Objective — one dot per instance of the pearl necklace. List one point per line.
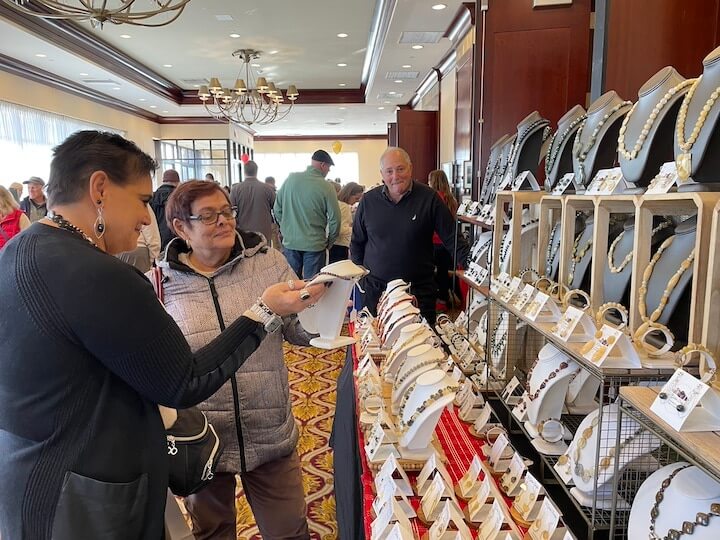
(632, 154)
(551, 156)
(577, 257)
(671, 284)
(611, 252)
(581, 152)
(550, 253)
(406, 375)
(63, 223)
(684, 160)
(432, 398)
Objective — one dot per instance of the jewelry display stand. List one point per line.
(688, 493)
(580, 398)
(647, 133)
(532, 132)
(580, 256)
(419, 359)
(408, 314)
(493, 164)
(697, 155)
(412, 335)
(595, 145)
(558, 159)
(326, 317)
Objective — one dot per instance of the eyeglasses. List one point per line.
(211, 218)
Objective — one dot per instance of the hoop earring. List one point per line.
(99, 225)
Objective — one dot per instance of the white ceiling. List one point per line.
(304, 34)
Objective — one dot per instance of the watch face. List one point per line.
(273, 324)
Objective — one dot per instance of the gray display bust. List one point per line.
(558, 160)
(607, 111)
(528, 142)
(658, 145)
(493, 164)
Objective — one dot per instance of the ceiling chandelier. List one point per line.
(253, 100)
(101, 11)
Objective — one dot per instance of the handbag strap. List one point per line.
(157, 282)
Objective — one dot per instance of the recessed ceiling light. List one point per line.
(417, 47)
(391, 92)
(167, 65)
(153, 106)
(342, 64)
(273, 52)
(342, 35)
(165, 112)
(196, 85)
(407, 66)
(387, 103)
(234, 36)
(125, 36)
(83, 74)
(142, 99)
(41, 55)
(342, 84)
(381, 108)
(398, 81)
(438, 7)
(342, 108)
(255, 65)
(116, 88)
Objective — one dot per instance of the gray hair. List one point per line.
(390, 150)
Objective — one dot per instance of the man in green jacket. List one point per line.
(307, 210)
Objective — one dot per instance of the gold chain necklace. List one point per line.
(671, 284)
(611, 252)
(684, 160)
(632, 154)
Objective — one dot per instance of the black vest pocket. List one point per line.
(89, 508)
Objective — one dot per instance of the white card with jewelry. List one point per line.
(492, 525)
(665, 179)
(507, 294)
(524, 297)
(574, 326)
(685, 403)
(607, 182)
(542, 308)
(530, 491)
(546, 522)
(611, 348)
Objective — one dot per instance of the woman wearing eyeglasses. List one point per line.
(212, 273)
(87, 353)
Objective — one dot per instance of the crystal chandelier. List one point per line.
(252, 100)
(101, 11)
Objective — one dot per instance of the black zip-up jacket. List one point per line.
(157, 203)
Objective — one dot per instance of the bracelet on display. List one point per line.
(556, 435)
(708, 365)
(648, 328)
(575, 293)
(612, 306)
(532, 272)
(544, 284)
(558, 291)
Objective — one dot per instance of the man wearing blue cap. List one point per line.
(307, 210)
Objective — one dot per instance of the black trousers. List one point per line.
(424, 290)
(443, 264)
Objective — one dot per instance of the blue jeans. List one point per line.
(305, 264)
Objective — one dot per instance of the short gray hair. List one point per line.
(390, 150)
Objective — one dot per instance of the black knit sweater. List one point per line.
(86, 353)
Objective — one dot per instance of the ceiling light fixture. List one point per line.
(407, 66)
(398, 81)
(381, 108)
(342, 84)
(98, 12)
(417, 47)
(342, 64)
(142, 99)
(84, 75)
(234, 36)
(153, 106)
(167, 65)
(438, 7)
(41, 55)
(342, 35)
(273, 52)
(125, 36)
(253, 100)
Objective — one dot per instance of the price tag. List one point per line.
(564, 183)
(525, 502)
(491, 526)
(665, 180)
(547, 521)
(441, 524)
(482, 420)
(677, 400)
(524, 297)
(496, 452)
(469, 482)
(507, 295)
(510, 388)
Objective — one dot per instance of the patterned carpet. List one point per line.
(313, 376)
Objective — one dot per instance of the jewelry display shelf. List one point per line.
(699, 448)
(676, 204)
(482, 289)
(515, 202)
(475, 221)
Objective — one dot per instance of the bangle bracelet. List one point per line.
(531, 271)
(708, 366)
(608, 306)
(646, 329)
(553, 437)
(557, 291)
(544, 284)
(574, 294)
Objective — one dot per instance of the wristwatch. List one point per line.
(267, 317)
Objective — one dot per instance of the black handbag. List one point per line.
(194, 447)
(194, 450)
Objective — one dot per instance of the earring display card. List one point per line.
(507, 294)
(389, 469)
(448, 515)
(611, 348)
(398, 532)
(525, 502)
(665, 180)
(494, 522)
(565, 183)
(390, 514)
(509, 389)
(574, 326)
(525, 181)
(476, 509)
(482, 420)
(524, 297)
(476, 273)
(511, 479)
(685, 403)
(388, 490)
(547, 521)
(497, 450)
(542, 308)
(607, 182)
(432, 465)
(469, 484)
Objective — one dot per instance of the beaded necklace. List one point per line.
(688, 527)
(551, 155)
(632, 154)
(432, 398)
(63, 223)
(684, 160)
(671, 284)
(581, 152)
(552, 250)
(521, 137)
(604, 462)
(611, 252)
(576, 256)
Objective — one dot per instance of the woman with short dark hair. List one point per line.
(88, 353)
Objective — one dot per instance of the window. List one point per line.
(280, 165)
(27, 137)
(193, 159)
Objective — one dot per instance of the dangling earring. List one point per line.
(99, 225)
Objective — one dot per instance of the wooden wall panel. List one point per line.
(535, 59)
(463, 108)
(644, 37)
(417, 133)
